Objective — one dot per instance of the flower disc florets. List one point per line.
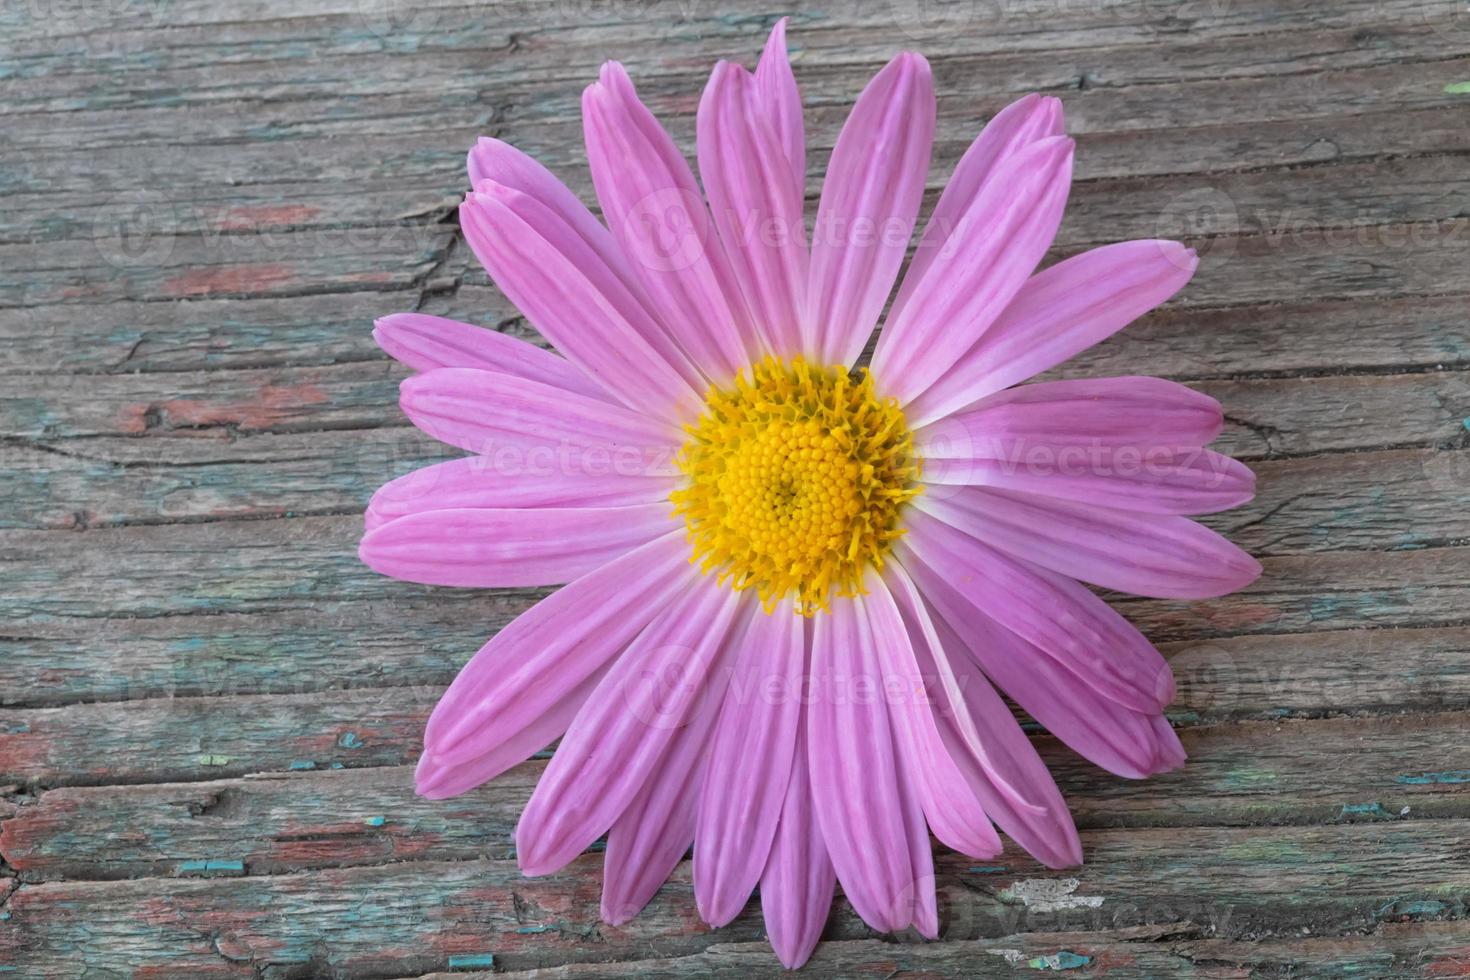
(796, 477)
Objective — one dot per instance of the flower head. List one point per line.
(793, 584)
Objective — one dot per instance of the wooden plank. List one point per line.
(418, 173)
(1392, 952)
(211, 411)
(409, 918)
(336, 93)
(190, 738)
(280, 443)
(277, 264)
(275, 566)
(1238, 775)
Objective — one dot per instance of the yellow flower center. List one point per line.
(796, 477)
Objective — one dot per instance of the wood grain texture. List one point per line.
(209, 709)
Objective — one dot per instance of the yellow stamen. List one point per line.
(796, 477)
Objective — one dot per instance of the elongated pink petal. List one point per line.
(1063, 618)
(855, 779)
(1135, 414)
(506, 745)
(1060, 312)
(493, 161)
(1163, 556)
(577, 301)
(617, 738)
(487, 549)
(757, 208)
(653, 834)
(750, 765)
(488, 483)
(993, 755)
(992, 251)
(870, 202)
(551, 649)
(654, 207)
(779, 101)
(1195, 481)
(949, 804)
(1128, 743)
(1015, 127)
(523, 425)
(426, 342)
(798, 882)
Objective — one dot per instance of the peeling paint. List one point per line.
(472, 961)
(211, 867)
(1049, 895)
(1063, 960)
(1424, 779)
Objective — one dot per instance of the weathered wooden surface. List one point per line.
(209, 709)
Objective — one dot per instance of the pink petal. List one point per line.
(797, 884)
(577, 301)
(1058, 313)
(1194, 481)
(477, 482)
(859, 801)
(870, 202)
(988, 257)
(1074, 627)
(426, 342)
(1015, 127)
(1163, 556)
(1128, 743)
(487, 549)
(993, 754)
(949, 804)
(492, 161)
(552, 648)
(618, 737)
(750, 765)
(506, 745)
(654, 207)
(524, 425)
(653, 834)
(757, 208)
(1137, 414)
(779, 101)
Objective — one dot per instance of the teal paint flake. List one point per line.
(349, 740)
(532, 930)
(1374, 809)
(1065, 960)
(302, 764)
(212, 867)
(1450, 777)
(1411, 909)
(988, 869)
(472, 961)
(375, 821)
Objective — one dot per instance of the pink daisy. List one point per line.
(793, 586)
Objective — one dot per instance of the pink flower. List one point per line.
(793, 588)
